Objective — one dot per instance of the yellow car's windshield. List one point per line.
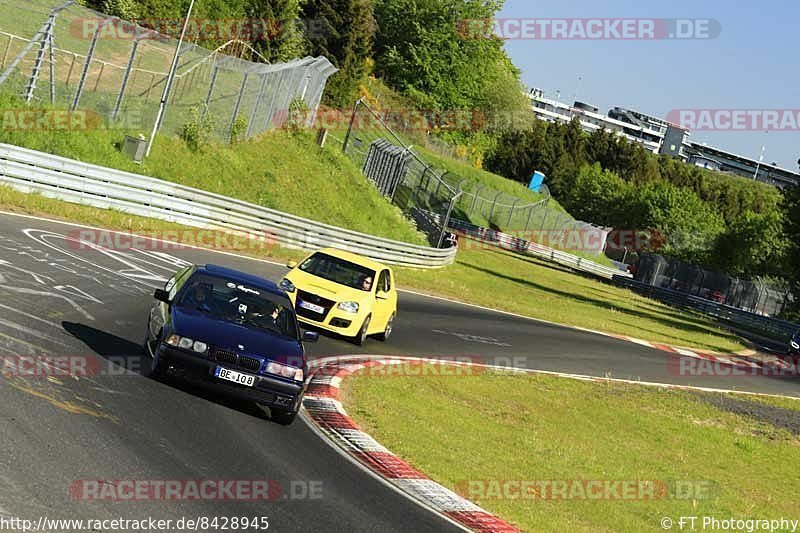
(339, 271)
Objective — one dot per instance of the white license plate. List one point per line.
(237, 377)
(313, 307)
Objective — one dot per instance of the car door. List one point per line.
(385, 300)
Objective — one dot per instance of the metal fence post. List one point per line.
(210, 88)
(238, 103)
(511, 212)
(37, 63)
(52, 64)
(528, 221)
(475, 198)
(126, 76)
(350, 126)
(6, 73)
(446, 220)
(87, 64)
(494, 203)
(257, 105)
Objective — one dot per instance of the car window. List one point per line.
(175, 283)
(231, 301)
(385, 281)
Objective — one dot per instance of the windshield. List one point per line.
(232, 301)
(339, 271)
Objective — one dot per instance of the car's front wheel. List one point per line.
(361, 338)
(387, 331)
(151, 367)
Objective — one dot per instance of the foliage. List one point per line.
(239, 129)
(197, 131)
(343, 32)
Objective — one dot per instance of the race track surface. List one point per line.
(59, 298)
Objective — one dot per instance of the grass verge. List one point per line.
(530, 287)
(535, 428)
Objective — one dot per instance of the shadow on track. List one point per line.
(122, 352)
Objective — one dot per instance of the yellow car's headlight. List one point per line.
(349, 307)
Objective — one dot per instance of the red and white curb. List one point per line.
(323, 407)
(735, 360)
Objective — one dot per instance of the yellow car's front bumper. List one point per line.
(336, 320)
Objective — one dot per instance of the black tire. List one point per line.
(151, 367)
(387, 331)
(361, 337)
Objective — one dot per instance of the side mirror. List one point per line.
(162, 296)
(291, 264)
(310, 336)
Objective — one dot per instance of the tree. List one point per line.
(279, 35)
(421, 50)
(753, 244)
(790, 207)
(343, 31)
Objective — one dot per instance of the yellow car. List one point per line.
(343, 292)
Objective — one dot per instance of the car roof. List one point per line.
(355, 258)
(243, 277)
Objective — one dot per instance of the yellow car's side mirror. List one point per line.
(291, 264)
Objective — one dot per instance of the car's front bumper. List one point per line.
(266, 390)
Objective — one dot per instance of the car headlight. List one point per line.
(187, 344)
(350, 307)
(285, 370)
(795, 345)
(287, 285)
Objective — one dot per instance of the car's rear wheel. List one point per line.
(361, 338)
(387, 331)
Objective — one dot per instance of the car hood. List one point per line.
(325, 288)
(229, 336)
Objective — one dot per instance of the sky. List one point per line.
(752, 64)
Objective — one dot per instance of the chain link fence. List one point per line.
(756, 296)
(446, 194)
(69, 56)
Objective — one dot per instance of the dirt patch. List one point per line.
(778, 417)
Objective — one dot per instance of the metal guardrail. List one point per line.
(509, 242)
(780, 328)
(74, 181)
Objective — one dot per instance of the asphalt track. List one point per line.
(56, 298)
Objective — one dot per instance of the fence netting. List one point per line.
(69, 56)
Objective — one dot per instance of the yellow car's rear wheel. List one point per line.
(387, 331)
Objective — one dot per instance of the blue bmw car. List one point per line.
(233, 331)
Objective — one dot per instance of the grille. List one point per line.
(224, 356)
(314, 299)
(248, 363)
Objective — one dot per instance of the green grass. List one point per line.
(280, 170)
(550, 428)
(531, 287)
